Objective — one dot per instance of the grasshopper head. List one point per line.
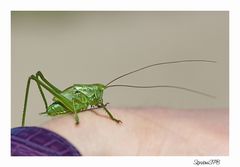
(100, 87)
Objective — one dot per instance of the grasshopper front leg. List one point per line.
(109, 114)
(89, 109)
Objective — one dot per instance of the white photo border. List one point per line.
(112, 5)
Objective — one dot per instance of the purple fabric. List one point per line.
(35, 141)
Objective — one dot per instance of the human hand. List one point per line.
(150, 131)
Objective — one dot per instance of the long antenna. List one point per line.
(164, 86)
(152, 65)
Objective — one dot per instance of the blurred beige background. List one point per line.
(95, 47)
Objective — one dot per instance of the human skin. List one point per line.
(146, 131)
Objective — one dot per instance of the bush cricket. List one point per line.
(82, 97)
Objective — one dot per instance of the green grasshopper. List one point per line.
(83, 97)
